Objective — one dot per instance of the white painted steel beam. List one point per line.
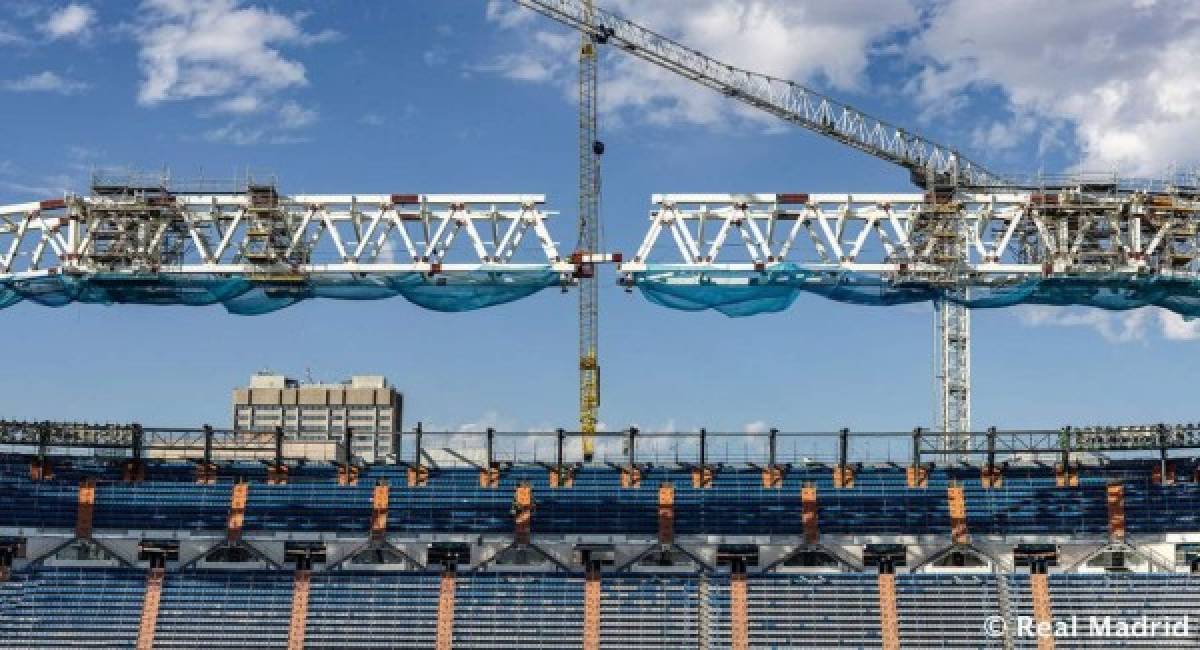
(967, 239)
(308, 234)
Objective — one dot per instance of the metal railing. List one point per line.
(624, 447)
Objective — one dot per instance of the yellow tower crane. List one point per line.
(590, 149)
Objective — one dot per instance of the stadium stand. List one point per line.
(232, 581)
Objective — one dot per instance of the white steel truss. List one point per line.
(953, 242)
(959, 240)
(257, 231)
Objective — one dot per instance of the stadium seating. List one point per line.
(44, 605)
(72, 608)
(654, 612)
(224, 609)
(372, 610)
(814, 611)
(1029, 503)
(946, 611)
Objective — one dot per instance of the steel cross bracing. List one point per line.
(953, 372)
(308, 235)
(999, 238)
(785, 99)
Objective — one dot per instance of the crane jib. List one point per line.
(930, 163)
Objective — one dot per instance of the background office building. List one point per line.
(366, 405)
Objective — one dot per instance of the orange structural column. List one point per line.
(917, 475)
(1116, 511)
(1066, 476)
(418, 476)
(808, 513)
(843, 476)
(87, 503)
(739, 629)
(1157, 477)
(889, 618)
(1043, 614)
(523, 512)
(562, 476)
(149, 621)
(591, 610)
(300, 589)
(958, 514)
(445, 615)
(237, 510)
(666, 513)
(379, 512)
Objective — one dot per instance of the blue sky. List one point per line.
(468, 96)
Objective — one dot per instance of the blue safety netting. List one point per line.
(738, 294)
(248, 295)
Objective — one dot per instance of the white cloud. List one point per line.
(240, 104)
(295, 116)
(1115, 79)
(1123, 77)
(1114, 326)
(72, 20)
(507, 14)
(46, 82)
(371, 119)
(216, 49)
(236, 134)
(829, 43)
(1174, 327)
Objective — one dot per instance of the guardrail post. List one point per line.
(277, 472)
(489, 476)
(702, 476)
(418, 474)
(843, 474)
(134, 469)
(631, 476)
(773, 474)
(918, 476)
(560, 476)
(1065, 475)
(206, 471)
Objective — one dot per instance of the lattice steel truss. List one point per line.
(995, 238)
(255, 232)
(785, 99)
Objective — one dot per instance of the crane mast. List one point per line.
(933, 166)
(590, 149)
